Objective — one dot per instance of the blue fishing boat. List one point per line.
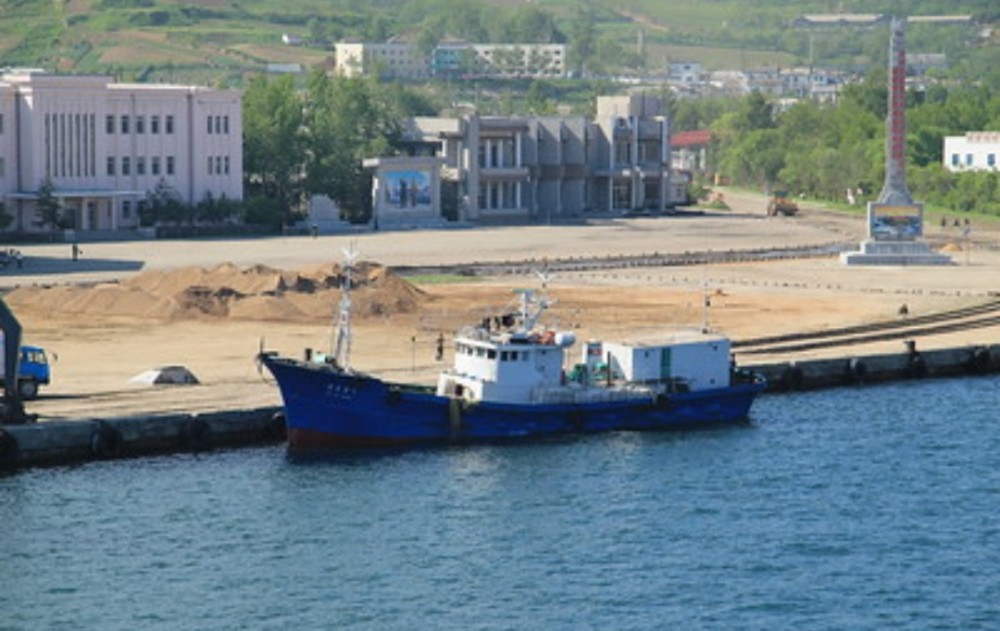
(509, 380)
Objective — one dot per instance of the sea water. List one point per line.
(868, 508)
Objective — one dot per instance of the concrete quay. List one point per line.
(56, 443)
(859, 370)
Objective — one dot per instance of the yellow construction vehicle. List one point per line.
(781, 204)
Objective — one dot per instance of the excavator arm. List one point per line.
(13, 407)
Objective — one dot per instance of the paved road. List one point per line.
(735, 230)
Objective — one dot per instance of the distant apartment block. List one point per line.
(537, 61)
(395, 59)
(104, 146)
(403, 60)
(975, 151)
(498, 169)
(685, 72)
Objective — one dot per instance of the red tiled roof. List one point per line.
(695, 138)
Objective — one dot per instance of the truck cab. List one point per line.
(33, 371)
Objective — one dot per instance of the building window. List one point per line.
(170, 165)
(954, 159)
(169, 124)
(621, 194)
(140, 165)
(508, 151)
(3, 168)
(125, 124)
(126, 166)
(109, 124)
(968, 159)
(218, 124)
(1, 123)
(623, 153)
(225, 125)
(225, 165)
(210, 165)
(218, 165)
(154, 124)
(208, 125)
(126, 209)
(154, 165)
(991, 160)
(111, 165)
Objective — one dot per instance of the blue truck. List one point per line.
(33, 371)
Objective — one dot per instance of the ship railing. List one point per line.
(569, 395)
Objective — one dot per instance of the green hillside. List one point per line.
(221, 41)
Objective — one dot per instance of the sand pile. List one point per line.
(226, 291)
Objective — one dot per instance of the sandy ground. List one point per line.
(97, 355)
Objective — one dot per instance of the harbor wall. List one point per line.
(872, 369)
(57, 443)
(68, 442)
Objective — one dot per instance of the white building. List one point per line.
(396, 59)
(104, 146)
(685, 72)
(403, 60)
(521, 60)
(975, 151)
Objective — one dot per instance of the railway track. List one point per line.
(975, 317)
(654, 259)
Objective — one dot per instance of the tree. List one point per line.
(582, 40)
(50, 212)
(757, 157)
(274, 141)
(536, 100)
(349, 119)
(163, 203)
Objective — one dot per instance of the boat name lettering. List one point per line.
(340, 391)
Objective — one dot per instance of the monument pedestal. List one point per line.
(894, 253)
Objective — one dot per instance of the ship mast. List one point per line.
(341, 345)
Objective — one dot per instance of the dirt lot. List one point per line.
(110, 331)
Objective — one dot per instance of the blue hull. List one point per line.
(327, 408)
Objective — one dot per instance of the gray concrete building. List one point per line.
(500, 169)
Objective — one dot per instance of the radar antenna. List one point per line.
(341, 346)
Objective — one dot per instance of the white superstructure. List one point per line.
(509, 359)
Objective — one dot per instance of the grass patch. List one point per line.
(439, 279)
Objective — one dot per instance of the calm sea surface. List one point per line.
(873, 508)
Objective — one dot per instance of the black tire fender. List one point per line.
(857, 369)
(105, 441)
(8, 449)
(276, 428)
(197, 434)
(792, 377)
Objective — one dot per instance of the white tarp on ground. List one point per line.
(169, 375)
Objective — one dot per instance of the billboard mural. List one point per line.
(407, 189)
(895, 222)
